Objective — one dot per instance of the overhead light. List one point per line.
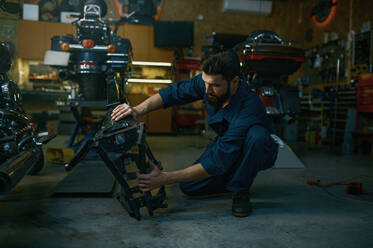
(151, 63)
(149, 81)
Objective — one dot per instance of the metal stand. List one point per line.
(123, 139)
(76, 108)
(334, 146)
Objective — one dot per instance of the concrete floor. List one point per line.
(287, 212)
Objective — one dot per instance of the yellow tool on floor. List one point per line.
(59, 155)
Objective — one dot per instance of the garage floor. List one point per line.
(287, 212)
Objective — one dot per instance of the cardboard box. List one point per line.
(52, 127)
(69, 17)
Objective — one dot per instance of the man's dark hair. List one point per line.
(225, 63)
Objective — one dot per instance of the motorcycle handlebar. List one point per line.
(122, 20)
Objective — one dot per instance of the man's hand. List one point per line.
(121, 111)
(153, 180)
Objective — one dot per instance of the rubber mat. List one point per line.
(87, 179)
(287, 159)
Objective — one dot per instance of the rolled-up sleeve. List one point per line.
(183, 92)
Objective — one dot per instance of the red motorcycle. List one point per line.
(267, 61)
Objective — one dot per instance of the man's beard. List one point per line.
(218, 101)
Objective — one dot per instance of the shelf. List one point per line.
(348, 97)
(339, 130)
(310, 118)
(349, 102)
(312, 110)
(322, 86)
(42, 95)
(345, 108)
(149, 63)
(42, 78)
(338, 120)
(341, 92)
(149, 81)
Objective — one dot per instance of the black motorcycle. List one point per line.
(20, 145)
(100, 62)
(95, 53)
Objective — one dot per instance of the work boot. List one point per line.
(241, 206)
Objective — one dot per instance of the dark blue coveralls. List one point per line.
(243, 145)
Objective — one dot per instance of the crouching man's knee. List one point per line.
(262, 146)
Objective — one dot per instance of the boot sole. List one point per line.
(241, 214)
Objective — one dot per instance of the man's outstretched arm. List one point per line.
(152, 103)
(157, 178)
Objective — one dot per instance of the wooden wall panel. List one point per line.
(34, 38)
(139, 36)
(160, 121)
(56, 29)
(31, 43)
(142, 40)
(339, 24)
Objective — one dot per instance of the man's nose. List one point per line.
(208, 89)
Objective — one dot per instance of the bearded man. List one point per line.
(243, 145)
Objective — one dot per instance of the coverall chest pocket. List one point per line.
(220, 127)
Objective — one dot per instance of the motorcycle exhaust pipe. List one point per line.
(14, 169)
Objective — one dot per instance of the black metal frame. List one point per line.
(117, 167)
(77, 109)
(113, 136)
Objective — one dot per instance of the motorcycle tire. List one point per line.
(93, 87)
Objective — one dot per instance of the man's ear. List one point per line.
(237, 78)
(235, 81)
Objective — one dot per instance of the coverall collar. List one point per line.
(228, 110)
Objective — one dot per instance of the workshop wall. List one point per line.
(214, 20)
(350, 14)
(290, 18)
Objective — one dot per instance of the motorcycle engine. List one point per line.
(14, 124)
